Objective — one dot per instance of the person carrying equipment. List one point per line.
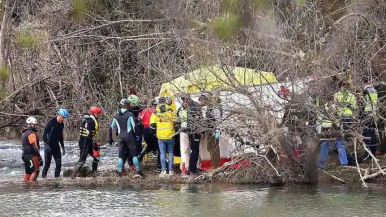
(89, 129)
(124, 122)
(53, 136)
(31, 150)
(150, 138)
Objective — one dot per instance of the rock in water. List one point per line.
(84, 172)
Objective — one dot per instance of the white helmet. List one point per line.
(31, 120)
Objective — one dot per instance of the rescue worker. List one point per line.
(31, 150)
(88, 145)
(212, 133)
(135, 109)
(326, 120)
(370, 98)
(163, 122)
(150, 138)
(124, 122)
(53, 136)
(193, 129)
(346, 104)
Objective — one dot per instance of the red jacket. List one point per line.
(145, 116)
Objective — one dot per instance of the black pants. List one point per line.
(152, 143)
(369, 131)
(48, 154)
(194, 140)
(127, 149)
(86, 148)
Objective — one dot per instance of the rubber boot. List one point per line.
(120, 166)
(140, 156)
(137, 164)
(76, 171)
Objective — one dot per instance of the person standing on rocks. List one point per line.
(135, 109)
(162, 120)
(124, 122)
(53, 142)
(88, 145)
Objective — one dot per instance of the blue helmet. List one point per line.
(64, 113)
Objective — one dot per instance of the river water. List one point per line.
(21, 199)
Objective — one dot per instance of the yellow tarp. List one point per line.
(215, 77)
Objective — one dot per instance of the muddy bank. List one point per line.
(371, 174)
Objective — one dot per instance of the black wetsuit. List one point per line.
(124, 121)
(138, 128)
(53, 139)
(88, 132)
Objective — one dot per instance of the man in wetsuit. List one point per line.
(53, 136)
(30, 150)
(124, 122)
(87, 142)
(135, 109)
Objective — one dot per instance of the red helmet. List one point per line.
(95, 110)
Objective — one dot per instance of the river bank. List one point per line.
(12, 170)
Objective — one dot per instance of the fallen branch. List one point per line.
(332, 176)
(374, 175)
(356, 161)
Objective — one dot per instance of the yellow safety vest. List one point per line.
(183, 115)
(326, 122)
(346, 103)
(371, 100)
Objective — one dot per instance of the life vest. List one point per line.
(84, 132)
(29, 139)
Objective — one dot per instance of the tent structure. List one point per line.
(215, 77)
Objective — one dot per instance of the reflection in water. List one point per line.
(189, 200)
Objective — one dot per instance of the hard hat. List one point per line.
(31, 120)
(63, 112)
(95, 110)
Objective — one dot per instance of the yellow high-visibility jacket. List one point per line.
(164, 123)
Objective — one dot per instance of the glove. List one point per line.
(138, 138)
(96, 146)
(63, 151)
(162, 108)
(40, 162)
